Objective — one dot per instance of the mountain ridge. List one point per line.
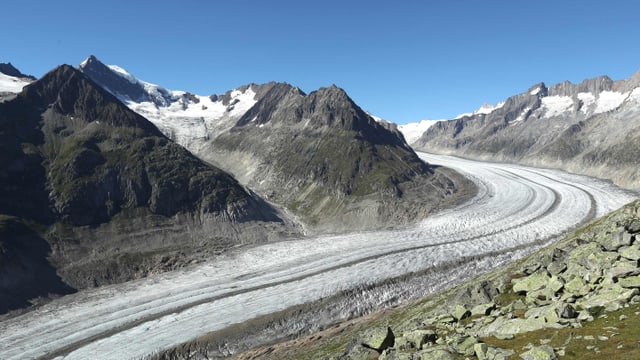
(282, 143)
(587, 128)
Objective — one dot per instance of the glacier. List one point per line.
(515, 207)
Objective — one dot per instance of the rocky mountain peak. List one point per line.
(112, 81)
(9, 69)
(539, 89)
(594, 85)
(70, 92)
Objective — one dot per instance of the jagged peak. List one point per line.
(10, 70)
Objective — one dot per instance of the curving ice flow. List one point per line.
(515, 206)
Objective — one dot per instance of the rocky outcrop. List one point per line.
(102, 196)
(589, 128)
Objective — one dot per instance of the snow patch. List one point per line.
(522, 115)
(556, 105)
(485, 109)
(535, 91)
(12, 84)
(413, 131)
(609, 100)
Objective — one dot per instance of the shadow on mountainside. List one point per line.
(25, 272)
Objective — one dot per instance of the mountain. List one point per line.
(93, 193)
(12, 80)
(589, 128)
(319, 154)
(413, 131)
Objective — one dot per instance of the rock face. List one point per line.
(319, 155)
(9, 69)
(588, 128)
(96, 193)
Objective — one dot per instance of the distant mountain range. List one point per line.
(589, 128)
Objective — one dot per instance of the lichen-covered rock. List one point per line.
(462, 344)
(378, 338)
(418, 338)
(623, 268)
(630, 252)
(576, 287)
(483, 309)
(547, 313)
(533, 282)
(391, 354)
(544, 352)
(615, 240)
(610, 298)
(436, 353)
(460, 312)
(630, 282)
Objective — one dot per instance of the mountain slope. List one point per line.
(104, 195)
(319, 155)
(588, 128)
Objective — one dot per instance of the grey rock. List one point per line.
(630, 252)
(567, 311)
(379, 339)
(436, 353)
(483, 309)
(536, 281)
(633, 227)
(420, 338)
(630, 282)
(543, 352)
(462, 344)
(391, 354)
(460, 312)
(615, 241)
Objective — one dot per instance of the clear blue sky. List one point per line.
(401, 60)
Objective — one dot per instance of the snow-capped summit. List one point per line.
(12, 80)
(182, 116)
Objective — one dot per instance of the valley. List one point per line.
(515, 210)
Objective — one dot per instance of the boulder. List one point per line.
(543, 352)
(615, 240)
(633, 227)
(630, 252)
(496, 353)
(623, 268)
(391, 354)
(630, 282)
(418, 338)
(481, 350)
(611, 298)
(556, 267)
(600, 260)
(435, 353)
(378, 339)
(533, 282)
(460, 312)
(547, 313)
(462, 344)
(483, 309)
(576, 287)
(566, 311)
